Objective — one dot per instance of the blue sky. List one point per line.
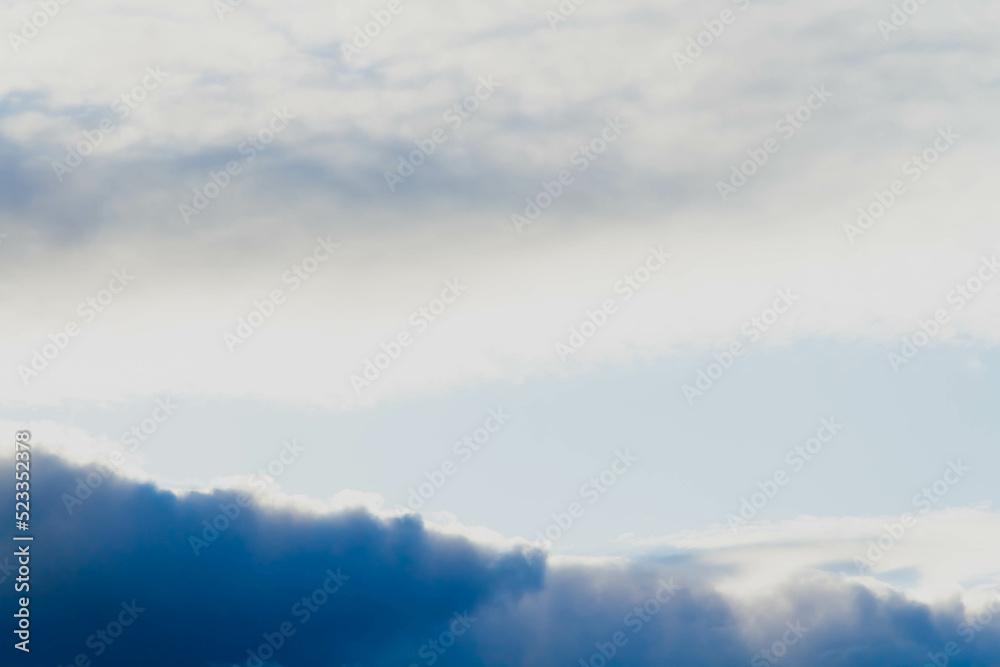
(696, 462)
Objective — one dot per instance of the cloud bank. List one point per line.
(144, 568)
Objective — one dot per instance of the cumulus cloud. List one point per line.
(387, 591)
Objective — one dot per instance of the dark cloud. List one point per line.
(342, 177)
(394, 592)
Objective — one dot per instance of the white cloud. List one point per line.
(165, 332)
(946, 554)
(324, 175)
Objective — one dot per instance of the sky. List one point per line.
(516, 309)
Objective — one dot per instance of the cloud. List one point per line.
(325, 175)
(355, 118)
(920, 557)
(394, 590)
(166, 333)
(134, 542)
(209, 576)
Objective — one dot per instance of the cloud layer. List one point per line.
(351, 588)
(198, 94)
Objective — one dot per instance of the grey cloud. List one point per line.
(396, 587)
